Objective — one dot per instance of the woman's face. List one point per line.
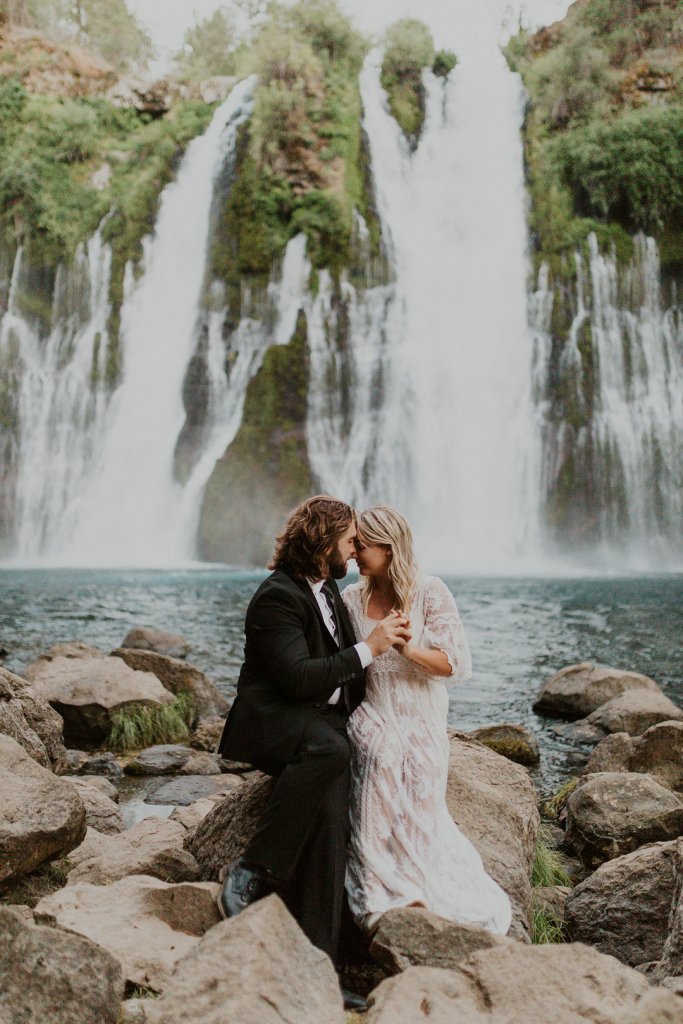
(372, 559)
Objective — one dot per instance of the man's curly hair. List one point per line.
(311, 532)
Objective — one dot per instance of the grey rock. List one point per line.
(48, 976)
(225, 832)
(513, 984)
(191, 815)
(258, 968)
(208, 733)
(41, 814)
(86, 692)
(658, 751)
(144, 638)
(577, 690)
(202, 763)
(103, 784)
(133, 1011)
(144, 923)
(70, 649)
(159, 759)
(656, 1007)
(186, 789)
(178, 677)
(29, 720)
(625, 907)
(152, 847)
(513, 741)
(101, 813)
(633, 712)
(612, 813)
(493, 801)
(412, 936)
(103, 764)
(75, 759)
(550, 899)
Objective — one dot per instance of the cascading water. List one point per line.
(440, 409)
(61, 394)
(623, 460)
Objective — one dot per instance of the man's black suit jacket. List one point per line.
(292, 666)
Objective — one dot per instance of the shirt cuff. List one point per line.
(364, 653)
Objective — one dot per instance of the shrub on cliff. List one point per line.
(409, 48)
(629, 170)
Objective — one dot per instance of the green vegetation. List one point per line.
(300, 163)
(604, 146)
(52, 148)
(548, 867)
(208, 47)
(141, 725)
(444, 62)
(409, 48)
(546, 928)
(105, 27)
(553, 807)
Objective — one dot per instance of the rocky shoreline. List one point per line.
(109, 916)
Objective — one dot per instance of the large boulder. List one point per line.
(31, 722)
(577, 690)
(493, 801)
(87, 691)
(101, 812)
(152, 847)
(513, 984)
(208, 733)
(511, 740)
(178, 677)
(670, 967)
(625, 907)
(48, 976)
(225, 832)
(413, 936)
(144, 638)
(258, 968)
(656, 1007)
(658, 752)
(41, 814)
(612, 813)
(632, 712)
(144, 923)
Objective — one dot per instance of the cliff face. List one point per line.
(604, 158)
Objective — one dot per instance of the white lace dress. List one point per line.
(405, 847)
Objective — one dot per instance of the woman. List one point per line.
(405, 848)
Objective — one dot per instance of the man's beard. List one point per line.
(337, 567)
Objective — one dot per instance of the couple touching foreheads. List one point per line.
(342, 699)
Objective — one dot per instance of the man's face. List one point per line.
(345, 549)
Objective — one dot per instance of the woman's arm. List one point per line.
(435, 661)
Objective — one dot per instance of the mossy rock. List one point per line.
(510, 740)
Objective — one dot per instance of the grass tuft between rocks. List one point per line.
(552, 808)
(142, 725)
(546, 928)
(548, 868)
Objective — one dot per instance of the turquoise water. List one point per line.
(521, 631)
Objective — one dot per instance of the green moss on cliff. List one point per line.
(49, 199)
(265, 471)
(409, 49)
(299, 164)
(604, 128)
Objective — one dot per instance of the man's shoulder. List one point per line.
(279, 585)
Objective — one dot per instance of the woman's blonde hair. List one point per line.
(383, 525)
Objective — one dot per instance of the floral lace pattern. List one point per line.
(405, 848)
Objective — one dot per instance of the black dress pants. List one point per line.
(303, 832)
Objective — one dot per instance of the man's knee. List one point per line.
(329, 748)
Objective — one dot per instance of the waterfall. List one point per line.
(612, 451)
(60, 394)
(95, 481)
(440, 420)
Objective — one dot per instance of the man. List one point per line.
(303, 674)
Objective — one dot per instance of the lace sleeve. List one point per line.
(445, 631)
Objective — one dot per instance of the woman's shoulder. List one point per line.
(434, 588)
(351, 591)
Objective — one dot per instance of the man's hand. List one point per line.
(389, 632)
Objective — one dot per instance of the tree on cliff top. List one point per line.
(209, 47)
(109, 28)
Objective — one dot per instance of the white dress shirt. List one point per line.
(364, 652)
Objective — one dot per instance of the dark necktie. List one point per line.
(329, 599)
